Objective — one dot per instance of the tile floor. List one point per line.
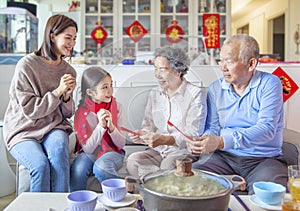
(5, 200)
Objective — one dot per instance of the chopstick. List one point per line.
(240, 201)
(129, 131)
(186, 136)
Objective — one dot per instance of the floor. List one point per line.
(5, 200)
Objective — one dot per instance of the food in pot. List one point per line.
(193, 186)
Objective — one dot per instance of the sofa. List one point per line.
(290, 148)
(133, 100)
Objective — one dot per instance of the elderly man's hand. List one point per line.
(206, 144)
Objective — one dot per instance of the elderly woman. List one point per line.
(175, 100)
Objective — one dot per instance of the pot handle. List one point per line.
(130, 183)
(238, 181)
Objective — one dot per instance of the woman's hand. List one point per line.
(66, 86)
(151, 139)
(137, 139)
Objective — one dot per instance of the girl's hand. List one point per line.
(105, 119)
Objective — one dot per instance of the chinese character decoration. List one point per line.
(136, 31)
(174, 33)
(99, 34)
(288, 85)
(211, 30)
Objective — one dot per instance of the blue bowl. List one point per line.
(269, 192)
(83, 200)
(114, 189)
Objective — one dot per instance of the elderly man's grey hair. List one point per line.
(177, 57)
(247, 46)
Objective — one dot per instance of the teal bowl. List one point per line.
(269, 192)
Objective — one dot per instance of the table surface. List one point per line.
(57, 202)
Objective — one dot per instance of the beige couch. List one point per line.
(133, 101)
(291, 151)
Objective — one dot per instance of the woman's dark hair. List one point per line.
(56, 24)
(91, 77)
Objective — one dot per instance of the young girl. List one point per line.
(95, 122)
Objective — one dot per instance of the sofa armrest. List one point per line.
(291, 146)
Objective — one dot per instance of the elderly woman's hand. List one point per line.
(137, 139)
(151, 139)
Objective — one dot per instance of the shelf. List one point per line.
(155, 16)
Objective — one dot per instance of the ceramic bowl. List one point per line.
(83, 200)
(269, 192)
(114, 189)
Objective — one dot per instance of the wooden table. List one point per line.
(57, 202)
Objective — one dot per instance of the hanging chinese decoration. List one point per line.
(174, 33)
(99, 34)
(211, 30)
(136, 31)
(288, 85)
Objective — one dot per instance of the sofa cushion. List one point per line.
(291, 146)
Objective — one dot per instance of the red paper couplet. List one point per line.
(211, 30)
(288, 85)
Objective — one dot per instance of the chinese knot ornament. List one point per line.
(99, 34)
(174, 33)
(136, 31)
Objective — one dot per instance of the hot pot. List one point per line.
(154, 200)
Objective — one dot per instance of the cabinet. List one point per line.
(18, 30)
(155, 16)
(96, 11)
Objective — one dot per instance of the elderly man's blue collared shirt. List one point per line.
(251, 124)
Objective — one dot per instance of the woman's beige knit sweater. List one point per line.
(34, 108)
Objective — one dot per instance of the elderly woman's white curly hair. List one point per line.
(177, 57)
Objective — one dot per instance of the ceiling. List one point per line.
(241, 7)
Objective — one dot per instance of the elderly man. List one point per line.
(245, 118)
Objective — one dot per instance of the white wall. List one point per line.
(259, 20)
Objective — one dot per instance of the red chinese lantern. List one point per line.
(174, 33)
